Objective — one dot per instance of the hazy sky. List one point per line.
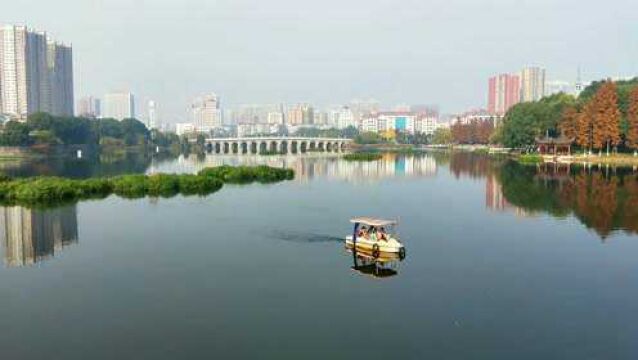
(330, 51)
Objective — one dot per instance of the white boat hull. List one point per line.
(391, 246)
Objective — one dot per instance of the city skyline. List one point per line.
(413, 55)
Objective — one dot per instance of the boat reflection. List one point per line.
(30, 236)
(384, 265)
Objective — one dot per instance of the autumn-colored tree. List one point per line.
(632, 120)
(584, 126)
(569, 122)
(606, 120)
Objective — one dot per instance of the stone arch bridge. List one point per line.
(275, 144)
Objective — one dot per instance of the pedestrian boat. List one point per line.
(375, 237)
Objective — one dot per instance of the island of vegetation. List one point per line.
(362, 156)
(55, 190)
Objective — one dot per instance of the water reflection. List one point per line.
(604, 199)
(309, 166)
(30, 236)
(383, 266)
(94, 165)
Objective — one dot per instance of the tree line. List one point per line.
(474, 132)
(46, 129)
(603, 117)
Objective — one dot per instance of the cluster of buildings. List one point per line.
(278, 119)
(118, 106)
(36, 74)
(508, 89)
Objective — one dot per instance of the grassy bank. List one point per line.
(54, 190)
(362, 156)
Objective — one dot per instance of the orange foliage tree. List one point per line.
(584, 126)
(569, 122)
(606, 119)
(632, 120)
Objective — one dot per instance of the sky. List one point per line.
(330, 51)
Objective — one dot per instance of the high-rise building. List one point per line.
(275, 118)
(308, 114)
(151, 115)
(60, 69)
(205, 112)
(532, 84)
(119, 106)
(346, 118)
(89, 106)
(504, 92)
(36, 73)
(294, 116)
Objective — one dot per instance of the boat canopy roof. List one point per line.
(372, 221)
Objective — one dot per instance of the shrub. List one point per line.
(130, 186)
(164, 185)
(54, 190)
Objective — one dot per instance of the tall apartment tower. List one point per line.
(532, 84)
(205, 112)
(119, 106)
(504, 92)
(60, 69)
(151, 113)
(36, 73)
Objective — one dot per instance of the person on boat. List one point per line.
(363, 232)
(382, 234)
(373, 233)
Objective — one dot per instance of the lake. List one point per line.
(503, 262)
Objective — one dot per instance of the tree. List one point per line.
(526, 121)
(606, 120)
(15, 133)
(584, 126)
(569, 122)
(632, 120)
(442, 136)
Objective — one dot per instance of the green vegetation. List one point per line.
(362, 156)
(530, 159)
(45, 129)
(247, 174)
(55, 190)
(442, 136)
(524, 122)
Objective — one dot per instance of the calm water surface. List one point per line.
(504, 262)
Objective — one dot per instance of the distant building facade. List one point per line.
(206, 113)
(89, 107)
(504, 91)
(151, 115)
(36, 74)
(119, 106)
(532, 84)
(399, 121)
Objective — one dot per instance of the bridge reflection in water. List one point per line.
(317, 165)
(30, 236)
